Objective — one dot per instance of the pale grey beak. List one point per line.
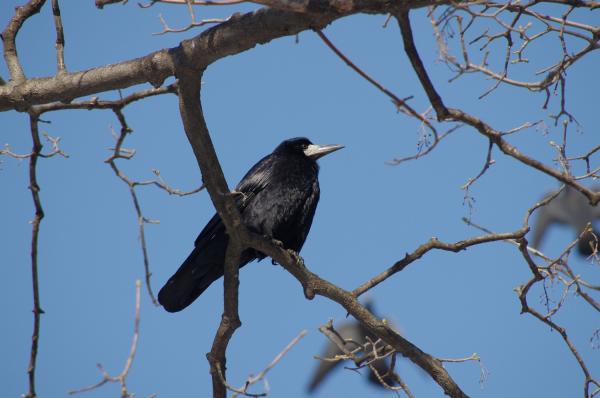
(318, 151)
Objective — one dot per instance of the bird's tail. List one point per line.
(191, 279)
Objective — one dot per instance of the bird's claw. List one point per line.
(297, 259)
(276, 242)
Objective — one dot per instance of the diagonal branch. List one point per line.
(239, 238)
(444, 113)
(314, 285)
(434, 243)
(398, 102)
(9, 38)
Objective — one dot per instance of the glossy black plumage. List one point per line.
(277, 198)
(571, 208)
(356, 332)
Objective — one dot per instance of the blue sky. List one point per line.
(369, 216)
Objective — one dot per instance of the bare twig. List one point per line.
(445, 113)
(96, 103)
(191, 25)
(121, 377)
(60, 37)
(365, 355)
(398, 102)
(431, 244)
(56, 150)
(243, 390)
(487, 164)
(35, 230)
(121, 153)
(101, 3)
(193, 2)
(586, 157)
(420, 152)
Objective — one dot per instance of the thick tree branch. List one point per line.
(314, 285)
(239, 237)
(238, 34)
(196, 130)
(230, 320)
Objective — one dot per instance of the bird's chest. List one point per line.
(285, 204)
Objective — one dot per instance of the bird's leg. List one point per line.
(297, 259)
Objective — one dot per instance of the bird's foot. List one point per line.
(276, 242)
(297, 259)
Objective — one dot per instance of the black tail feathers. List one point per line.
(191, 279)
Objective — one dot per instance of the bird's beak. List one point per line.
(318, 151)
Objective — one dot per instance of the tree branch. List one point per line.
(121, 377)
(196, 130)
(9, 38)
(434, 243)
(238, 34)
(35, 230)
(444, 113)
(60, 38)
(239, 237)
(314, 285)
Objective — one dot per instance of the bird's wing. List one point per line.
(213, 228)
(347, 331)
(255, 180)
(559, 210)
(544, 219)
(321, 372)
(596, 209)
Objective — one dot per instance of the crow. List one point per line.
(277, 198)
(570, 207)
(358, 334)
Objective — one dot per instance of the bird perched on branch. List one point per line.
(277, 198)
(357, 334)
(572, 208)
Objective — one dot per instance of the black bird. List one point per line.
(572, 208)
(356, 332)
(277, 198)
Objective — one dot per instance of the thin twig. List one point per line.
(121, 377)
(35, 230)
(243, 390)
(60, 38)
(398, 102)
(192, 2)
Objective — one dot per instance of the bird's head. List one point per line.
(305, 146)
(588, 243)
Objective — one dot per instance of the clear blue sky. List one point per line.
(369, 216)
